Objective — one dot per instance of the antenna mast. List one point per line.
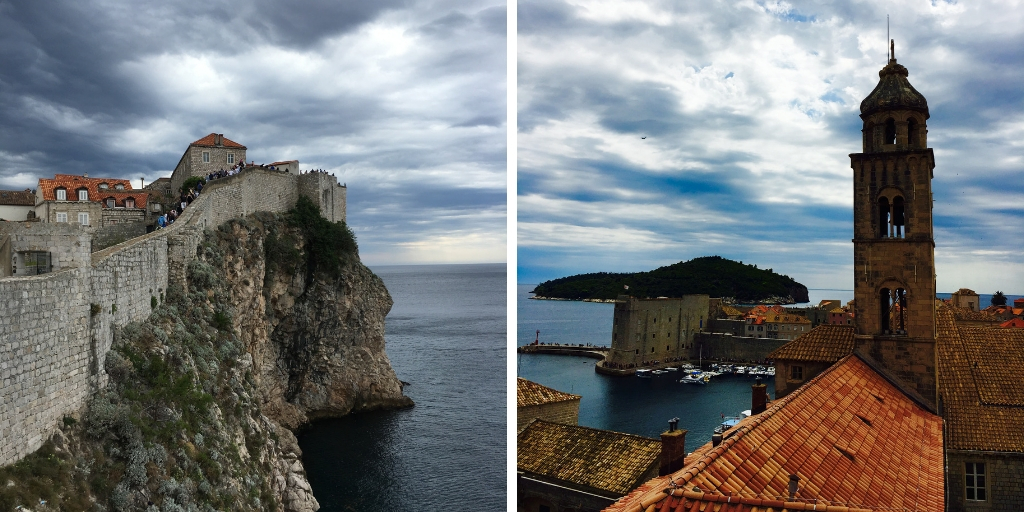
(891, 56)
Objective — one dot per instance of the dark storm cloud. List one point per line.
(749, 112)
(391, 96)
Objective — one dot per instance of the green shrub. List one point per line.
(327, 243)
(191, 183)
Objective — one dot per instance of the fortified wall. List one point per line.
(56, 328)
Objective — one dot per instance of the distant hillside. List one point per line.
(713, 275)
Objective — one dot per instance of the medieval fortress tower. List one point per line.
(57, 327)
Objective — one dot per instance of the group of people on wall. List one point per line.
(183, 201)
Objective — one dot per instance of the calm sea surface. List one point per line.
(629, 404)
(446, 337)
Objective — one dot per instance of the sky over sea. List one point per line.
(404, 101)
(659, 131)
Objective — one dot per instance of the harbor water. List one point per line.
(446, 337)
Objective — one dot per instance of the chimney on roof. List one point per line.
(716, 439)
(218, 139)
(673, 448)
(794, 486)
(85, 175)
(759, 398)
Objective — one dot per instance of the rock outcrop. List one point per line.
(280, 324)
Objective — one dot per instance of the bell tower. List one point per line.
(893, 245)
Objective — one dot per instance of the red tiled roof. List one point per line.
(17, 198)
(1014, 323)
(208, 141)
(600, 459)
(72, 183)
(854, 439)
(530, 393)
(826, 343)
(979, 382)
(967, 314)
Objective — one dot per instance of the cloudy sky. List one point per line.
(404, 100)
(750, 110)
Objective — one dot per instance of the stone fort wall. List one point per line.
(56, 329)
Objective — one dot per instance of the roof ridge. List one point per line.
(912, 394)
(584, 427)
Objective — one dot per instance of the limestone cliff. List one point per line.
(280, 323)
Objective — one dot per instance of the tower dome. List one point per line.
(893, 92)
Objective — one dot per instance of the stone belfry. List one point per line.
(893, 245)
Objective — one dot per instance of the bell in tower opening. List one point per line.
(894, 252)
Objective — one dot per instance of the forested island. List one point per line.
(712, 275)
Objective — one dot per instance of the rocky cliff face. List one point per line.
(279, 326)
(317, 341)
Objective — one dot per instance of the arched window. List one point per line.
(890, 131)
(913, 134)
(893, 311)
(103, 186)
(119, 186)
(898, 217)
(883, 217)
(62, 194)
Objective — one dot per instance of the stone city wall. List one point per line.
(56, 329)
(114, 234)
(726, 347)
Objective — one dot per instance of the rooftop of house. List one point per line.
(1016, 323)
(851, 436)
(530, 393)
(99, 189)
(965, 291)
(17, 198)
(979, 372)
(211, 140)
(967, 314)
(731, 311)
(600, 459)
(826, 343)
(790, 318)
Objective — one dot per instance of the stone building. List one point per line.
(33, 248)
(801, 361)
(966, 298)
(96, 202)
(211, 153)
(660, 329)
(534, 401)
(16, 205)
(555, 473)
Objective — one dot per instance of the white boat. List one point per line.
(695, 378)
(659, 372)
(741, 370)
(643, 373)
(672, 369)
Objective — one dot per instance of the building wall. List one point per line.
(325, 191)
(68, 244)
(533, 493)
(47, 211)
(1004, 478)
(566, 412)
(784, 381)
(191, 164)
(114, 234)
(14, 213)
(726, 347)
(656, 329)
(116, 216)
(57, 328)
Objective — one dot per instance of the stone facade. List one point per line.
(726, 347)
(209, 154)
(57, 328)
(1004, 481)
(326, 192)
(894, 261)
(67, 246)
(47, 211)
(655, 329)
(566, 412)
(790, 375)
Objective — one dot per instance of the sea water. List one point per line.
(446, 337)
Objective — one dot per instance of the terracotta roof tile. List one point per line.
(17, 198)
(72, 183)
(208, 141)
(601, 459)
(979, 381)
(826, 343)
(853, 438)
(968, 314)
(1016, 323)
(530, 393)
